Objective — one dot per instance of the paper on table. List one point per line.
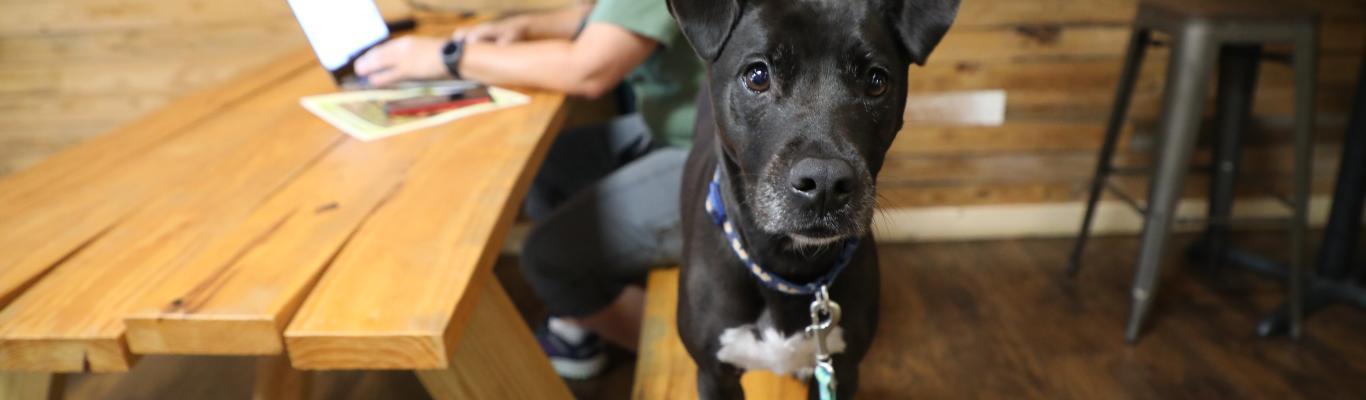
(361, 113)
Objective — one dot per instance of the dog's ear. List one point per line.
(706, 23)
(920, 24)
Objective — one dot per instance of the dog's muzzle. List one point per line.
(815, 202)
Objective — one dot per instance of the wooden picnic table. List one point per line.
(234, 222)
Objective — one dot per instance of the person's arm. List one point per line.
(589, 66)
(592, 64)
(562, 23)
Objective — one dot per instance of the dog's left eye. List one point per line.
(877, 82)
(756, 77)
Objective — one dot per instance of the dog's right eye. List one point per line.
(877, 83)
(756, 77)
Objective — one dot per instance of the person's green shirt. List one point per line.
(666, 83)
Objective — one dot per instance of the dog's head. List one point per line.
(807, 97)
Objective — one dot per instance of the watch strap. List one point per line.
(451, 55)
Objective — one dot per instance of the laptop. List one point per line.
(341, 31)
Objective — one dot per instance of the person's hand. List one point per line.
(498, 32)
(405, 58)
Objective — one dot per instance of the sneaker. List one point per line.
(580, 359)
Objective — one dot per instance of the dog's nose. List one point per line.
(825, 182)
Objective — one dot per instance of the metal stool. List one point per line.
(1200, 29)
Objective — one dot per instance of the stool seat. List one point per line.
(1268, 10)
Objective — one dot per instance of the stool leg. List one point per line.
(1188, 73)
(1237, 87)
(1306, 80)
(1337, 257)
(1133, 61)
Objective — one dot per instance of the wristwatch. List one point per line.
(451, 54)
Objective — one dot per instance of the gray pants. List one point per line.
(605, 204)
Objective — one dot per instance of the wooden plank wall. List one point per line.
(70, 69)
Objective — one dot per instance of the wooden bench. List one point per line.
(234, 222)
(663, 368)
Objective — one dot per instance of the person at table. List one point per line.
(605, 201)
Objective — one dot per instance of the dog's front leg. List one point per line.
(701, 322)
(846, 379)
(720, 381)
(708, 306)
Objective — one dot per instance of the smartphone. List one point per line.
(434, 103)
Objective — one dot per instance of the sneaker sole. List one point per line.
(579, 369)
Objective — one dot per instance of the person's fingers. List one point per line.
(374, 60)
(507, 36)
(512, 31)
(385, 77)
(470, 34)
(478, 37)
(483, 33)
(405, 58)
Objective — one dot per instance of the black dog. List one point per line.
(802, 101)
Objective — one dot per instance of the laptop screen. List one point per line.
(339, 30)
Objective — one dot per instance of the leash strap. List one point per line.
(825, 380)
(716, 207)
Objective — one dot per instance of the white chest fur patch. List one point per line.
(755, 347)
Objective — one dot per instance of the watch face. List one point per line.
(449, 48)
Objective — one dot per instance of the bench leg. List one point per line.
(497, 358)
(30, 385)
(277, 380)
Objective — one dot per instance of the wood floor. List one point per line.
(996, 320)
(974, 320)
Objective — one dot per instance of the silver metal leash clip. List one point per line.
(825, 316)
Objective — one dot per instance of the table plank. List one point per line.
(237, 296)
(53, 209)
(399, 294)
(72, 320)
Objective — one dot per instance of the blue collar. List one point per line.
(716, 207)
